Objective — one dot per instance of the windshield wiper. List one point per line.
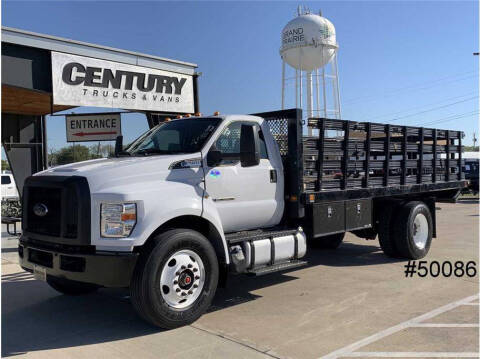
(151, 151)
(123, 153)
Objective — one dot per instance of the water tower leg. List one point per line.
(309, 99)
(324, 94)
(317, 89)
(300, 84)
(334, 89)
(296, 88)
(339, 108)
(283, 84)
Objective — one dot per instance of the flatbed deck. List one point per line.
(377, 192)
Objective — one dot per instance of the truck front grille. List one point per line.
(57, 209)
(50, 223)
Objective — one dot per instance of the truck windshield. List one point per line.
(178, 136)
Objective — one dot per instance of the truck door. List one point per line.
(246, 197)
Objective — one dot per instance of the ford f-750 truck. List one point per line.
(193, 199)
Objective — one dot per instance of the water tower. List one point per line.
(310, 47)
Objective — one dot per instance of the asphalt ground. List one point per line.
(350, 302)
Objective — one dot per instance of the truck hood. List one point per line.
(105, 174)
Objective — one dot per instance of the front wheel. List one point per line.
(175, 279)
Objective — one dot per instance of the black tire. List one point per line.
(385, 230)
(70, 287)
(145, 291)
(327, 242)
(404, 230)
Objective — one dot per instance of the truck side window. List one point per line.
(228, 143)
(6, 180)
(263, 145)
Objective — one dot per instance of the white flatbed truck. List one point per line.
(196, 198)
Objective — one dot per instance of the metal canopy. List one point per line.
(27, 72)
(54, 43)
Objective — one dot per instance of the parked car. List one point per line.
(472, 173)
(9, 188)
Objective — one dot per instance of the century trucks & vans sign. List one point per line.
(85, 81)
(93, 127)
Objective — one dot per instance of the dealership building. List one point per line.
(43, 75)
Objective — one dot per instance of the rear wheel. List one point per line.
(413, 230)
(175, 279)
(385, 230)
(327, 242)
(70, 287)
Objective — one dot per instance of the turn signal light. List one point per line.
(178, 116)
(198, 114)
(167, 119)
(216, 113)
(129, 216)
(188, 115)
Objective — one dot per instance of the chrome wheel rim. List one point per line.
(420, 231)
(182, 279)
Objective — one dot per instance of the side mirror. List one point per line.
(249, 146)
(118, 145)
(214, 158)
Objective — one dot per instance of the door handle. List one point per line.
(273, 176)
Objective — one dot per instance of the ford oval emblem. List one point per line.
(40, 209)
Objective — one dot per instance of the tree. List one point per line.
(77, 153)
(5, 165)
(52, 157)
(70, 154)
(102, 150)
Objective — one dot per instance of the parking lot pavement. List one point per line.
(352, 302)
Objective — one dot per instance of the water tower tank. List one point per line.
(308, 42)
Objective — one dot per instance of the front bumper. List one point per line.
(107, 269)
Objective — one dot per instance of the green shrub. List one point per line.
(11, 208)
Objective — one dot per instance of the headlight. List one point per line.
(117, 219)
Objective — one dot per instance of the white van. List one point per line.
(9, 188)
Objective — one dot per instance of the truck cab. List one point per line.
(191, 166)
(87, 224)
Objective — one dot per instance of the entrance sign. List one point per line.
(86, 81)
(93, 127)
